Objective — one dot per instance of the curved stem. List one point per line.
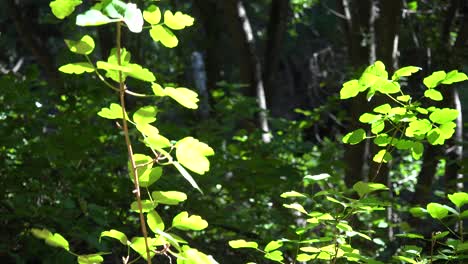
(129, 147)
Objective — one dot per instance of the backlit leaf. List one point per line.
(116, 235)
(146, 206)
(133, 18)
(293, 194)
(355, 136)
(405, 72)
(152, 14)
(170, 197)
(165, 35)
(459, 198)
(63, 8)
(434, 79)
(454, 76)
(437, 211)
(241, 243)
(363, 188)
(273, 245)
(350, 89)
(383, 156)
(183, 96)
(442, 116)
(275, 256)
(192, 154)
(93, 18)
(418, 127)
(113, 112)
(433, 94)
(146, 114)
(138, 244)
(77, 68)
(90, 259)
(178, 20)
(184, 222)
(154, 221)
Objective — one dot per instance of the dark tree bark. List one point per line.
(279, 14)
(250, 67)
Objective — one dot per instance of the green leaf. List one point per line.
(147, 175)
(241, 243)
(383, 109)
(404, 98)
(140, 73)
(63, 8)
(403, 144)
(442, 116)
(192, 154)
(296, 206)
(350, 89)
(93, 18)
(440, 235)
(193, 256)
(418, 128)
(383, 156)
(165, 35)
(462, 247)
(146, 206)
(382, 140)
(186, 175)
(369, 118)
(133, 18)
(116, 235)
(154, 221)
(434, 79)
(417, 150)
(363, 188)
(138, 244)
(145, 115)
(405, 72)
(378, 127)
(273, 245)
(170, 197)
(90, 259)
(178, 20)
(437, 211)
(275, 256)
(157, 141)
(387, 87)
(318, 177)
(293, 194)
(447, 130)
(158, 90)
(184, 222)
(377, 69)
(147, 129)
(355, 136)
(405, 259)
(454, 76)
(459, 199)
(411, 235)
(152, 14)
(147, 179)
(83, 46)
(433, 94)
(183, 96)
(77, 68)
(54, 240)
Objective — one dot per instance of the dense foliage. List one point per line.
(233, 131)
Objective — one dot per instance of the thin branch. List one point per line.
(129, 147)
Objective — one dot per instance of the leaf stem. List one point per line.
(129, 145)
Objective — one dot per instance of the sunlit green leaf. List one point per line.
(178, 20)
(418, 127)
(363, 188)
(350, 89)
(152, 14)
(83, 46)
(154, 221)
(186, 175)
(296, 206)
(403, 98)
(275, 256)
(183, 221)
(193, 256)
(442, 116)
(241, 243)
(165, 35)
(433, 94)
(292, 194)
(63, 8)
(382, 140)
(318, 177)
(158, 90)
(383, 156)
(113, 112)
(459, 198)
(183, 96)
(146, 114)
(116, 235)
(192, 154)
(355, 136)
(454, 76)
(383, 109)
(273, 245)
(138, 244)
(411, 235)
(77, 68)
(405, 72)
(147, 129)
(378, 126)
(157, 141)
(138, 72)
(437, 211)
(146, 206)
(434, 79)
(440, 235)
(170, 197)
(417, 150)
(369, 118)
(90, 259)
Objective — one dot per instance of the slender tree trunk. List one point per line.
(250, 66)
(276, 32)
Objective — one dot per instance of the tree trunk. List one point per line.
(250, 66)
